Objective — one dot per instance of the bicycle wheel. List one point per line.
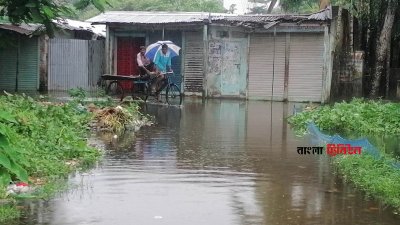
(101, 88)
(173, 95)
(115, 90)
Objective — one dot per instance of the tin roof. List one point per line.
(139, 17)
(26, 29)
(68, 24)
(65, 24)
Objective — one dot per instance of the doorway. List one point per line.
(127, 49)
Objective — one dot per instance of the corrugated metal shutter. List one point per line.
(306, 67)
(8, 65)
(194, 52)
(263, 68)
(68, 64)
(28, 65)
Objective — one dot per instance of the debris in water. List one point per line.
(18, 188)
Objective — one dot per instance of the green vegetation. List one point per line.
(155, 5)
(38, 139)
(376, 177)
(362, 117)
(44, 11)
(358, 116)
(42, 142)
(8, 212)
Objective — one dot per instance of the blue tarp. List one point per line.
(318, 137)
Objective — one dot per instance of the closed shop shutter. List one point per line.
(28, 65)
(194, 51)
(8, 65)
(306, 67)
(267, 64)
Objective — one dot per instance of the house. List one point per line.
(26, 62)
(263, 57)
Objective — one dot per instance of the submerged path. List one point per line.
(213, 162)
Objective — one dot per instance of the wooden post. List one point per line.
(328, 62)
(107, 51)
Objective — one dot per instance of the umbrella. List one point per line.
(152, 49)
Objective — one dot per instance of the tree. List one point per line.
(156, 5)
(383, 46)
(299, 6)
(42, 11)
(232, 9)
(262, 6)
(258, 10)
(271, 6)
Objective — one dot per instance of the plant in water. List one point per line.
(78, 93)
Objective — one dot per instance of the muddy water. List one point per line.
(214, 162)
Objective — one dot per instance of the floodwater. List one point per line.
(216, 162)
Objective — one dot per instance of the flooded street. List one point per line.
(216, 162)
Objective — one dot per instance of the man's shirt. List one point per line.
(142, 60)
(162, 61)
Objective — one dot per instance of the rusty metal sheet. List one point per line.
(26, 29)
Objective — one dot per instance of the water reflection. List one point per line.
(212, 162)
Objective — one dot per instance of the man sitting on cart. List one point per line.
(163, 64)
(145, 65)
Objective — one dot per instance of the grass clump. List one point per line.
(119, 118)
(358, 116)
(378, 178)
(38, 141)
(41, 143)
(8, 212)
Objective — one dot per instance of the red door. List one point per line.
(127, 49)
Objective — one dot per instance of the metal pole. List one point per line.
(163, 33)
(273, 79)
(273, 65)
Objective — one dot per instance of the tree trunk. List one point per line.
(382, 47)
(271, 6)
(388, 58)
